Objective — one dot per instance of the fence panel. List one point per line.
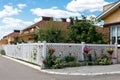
(101, 49)
(35, 52)
(66, 49)
(31, 52)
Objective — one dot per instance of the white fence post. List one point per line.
(116, 51)
(38, 53)
(83, 45)
(44, 49)
(44, 54)
(28, 55)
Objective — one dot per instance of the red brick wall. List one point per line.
(107, 34)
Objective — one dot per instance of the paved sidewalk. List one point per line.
(88, 70)
(83, 70)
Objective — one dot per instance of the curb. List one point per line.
(63, 73)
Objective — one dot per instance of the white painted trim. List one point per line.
(112, 8)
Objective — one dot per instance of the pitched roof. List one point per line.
(109, 10)
(13, 34)
(44, 23)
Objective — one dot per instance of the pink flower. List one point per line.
(86, 49)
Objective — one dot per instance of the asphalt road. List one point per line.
(10, 70)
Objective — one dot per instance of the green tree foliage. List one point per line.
(84, 31)
(52, 33)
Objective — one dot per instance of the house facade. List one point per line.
(27, 34)
(10, 38)
(111, 18)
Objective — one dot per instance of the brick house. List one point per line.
(10, 38)
(111, 18)
(27, 34)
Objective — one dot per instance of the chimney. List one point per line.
(71, 21)
(63, 19)
(47, 18)
(16, 30)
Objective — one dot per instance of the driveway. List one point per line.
(10, 70)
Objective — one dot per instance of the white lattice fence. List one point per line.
(31, 52)
(10, 50)
(101, 49)
(66, 49)
(34, 52)
(77, 49)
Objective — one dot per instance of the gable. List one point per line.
(113, 17)
(106, 7)
(109, 11)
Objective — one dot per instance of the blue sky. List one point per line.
(19, 14)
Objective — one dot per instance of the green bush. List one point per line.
(69, 58)
(103, 60)
(73, 64)
(58, 63)
(49, 61)
(2, 52)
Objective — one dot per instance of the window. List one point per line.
(115, 34)
(118, 35)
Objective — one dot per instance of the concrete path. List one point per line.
(11, 70)
(88, 70)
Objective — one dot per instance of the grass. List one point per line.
(27, 61)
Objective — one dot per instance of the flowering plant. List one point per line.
(86, 49)
(43, 61)
(103, 60)
(51, 51)
(110, 50)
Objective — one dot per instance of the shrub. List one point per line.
(49, 61)
(58, 63)
(103, 60)
(73, 64)
(2, 52)
(69, 58)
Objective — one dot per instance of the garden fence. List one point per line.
(35, 52)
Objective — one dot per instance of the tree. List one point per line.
(84, 31)
(52, 33)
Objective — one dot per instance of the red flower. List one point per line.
(51, 51)
(111, 57)
(43, 60)
(101, 57)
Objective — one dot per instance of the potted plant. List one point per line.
(86, 50)
(110, 51)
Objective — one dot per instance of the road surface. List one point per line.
(10, 70)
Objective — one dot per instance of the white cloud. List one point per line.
(9, 24)
(15, 23)
(55, 7)
(21, 6)
(86, 5)
(9, 11)
(53, 12)
(37, 19)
